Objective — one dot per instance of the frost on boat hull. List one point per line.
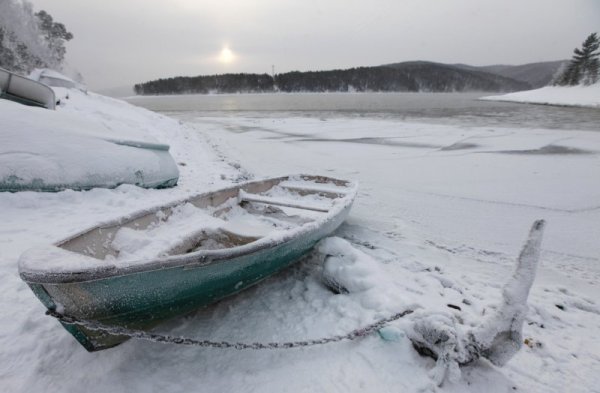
(138, 271)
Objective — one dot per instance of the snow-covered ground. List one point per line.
(586, 96)
(441, 214)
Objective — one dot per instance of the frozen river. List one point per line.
(442, 108)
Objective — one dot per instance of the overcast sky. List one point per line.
(122, 42)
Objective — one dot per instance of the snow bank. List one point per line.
(585, 96)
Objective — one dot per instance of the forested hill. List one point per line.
(536, 74)
(401, 77)
(431, 76)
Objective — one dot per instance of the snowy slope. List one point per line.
(586, 96)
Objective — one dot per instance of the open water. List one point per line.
(462, 109)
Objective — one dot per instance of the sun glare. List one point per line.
(226, 56)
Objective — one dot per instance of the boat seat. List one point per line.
(247, 197)
(305, 189)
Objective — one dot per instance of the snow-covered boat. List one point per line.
(53, 151)
(25, 91)
(137, 271)
(56, 79)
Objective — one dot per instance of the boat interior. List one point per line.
(223, 219)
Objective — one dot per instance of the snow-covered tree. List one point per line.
(55, 35)
(585, 65)
(30, 40)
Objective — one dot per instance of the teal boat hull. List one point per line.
(143, 298)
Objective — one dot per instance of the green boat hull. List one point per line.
(142, 299)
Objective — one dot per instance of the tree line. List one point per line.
(409, 77)
(226, 83)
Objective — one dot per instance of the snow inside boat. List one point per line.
(137, 271)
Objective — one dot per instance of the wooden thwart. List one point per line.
(326, 192)
(246, 197)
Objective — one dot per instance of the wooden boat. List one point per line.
(25, 91)
(138, 271)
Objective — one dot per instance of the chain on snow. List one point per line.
(161, 338)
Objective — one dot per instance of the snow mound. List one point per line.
(346, 269)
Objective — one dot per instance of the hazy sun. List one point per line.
(226, 56)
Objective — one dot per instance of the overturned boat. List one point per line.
(52, 151)
(140, 270)
(55, 79)
(25, 91)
